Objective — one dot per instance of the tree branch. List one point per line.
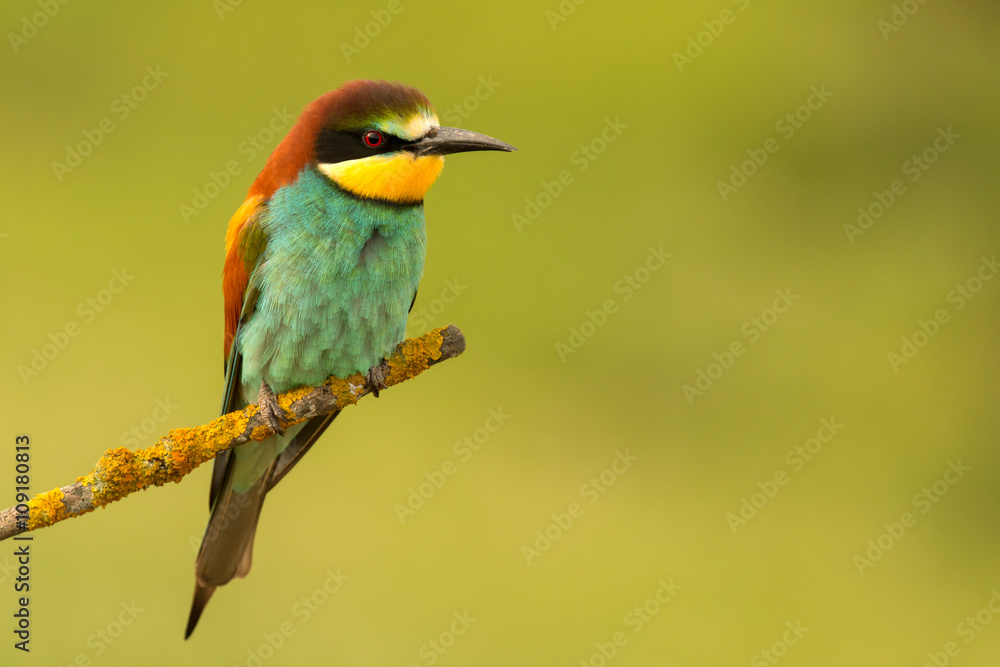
(121, 471)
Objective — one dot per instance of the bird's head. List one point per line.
(375, 139)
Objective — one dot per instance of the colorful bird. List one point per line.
(322, 265)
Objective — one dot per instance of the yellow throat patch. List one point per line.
(396, 177)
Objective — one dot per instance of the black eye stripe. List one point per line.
(340, 145)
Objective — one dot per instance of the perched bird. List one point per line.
(322, 265)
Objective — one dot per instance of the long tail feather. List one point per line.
(227, 548)
(202, 594)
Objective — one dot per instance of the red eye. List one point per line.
(373, 139)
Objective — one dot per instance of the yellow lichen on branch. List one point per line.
(121, 471)
(415, 355)
(46, 508)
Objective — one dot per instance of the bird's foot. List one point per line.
(376, 379)
(269, 408)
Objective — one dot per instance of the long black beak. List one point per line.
(447, 140)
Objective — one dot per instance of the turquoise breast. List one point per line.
(335, 285)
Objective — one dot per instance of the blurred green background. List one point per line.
(518, 290)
